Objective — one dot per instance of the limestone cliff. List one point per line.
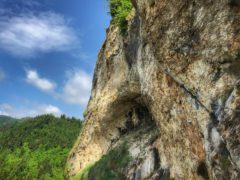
(174, 77)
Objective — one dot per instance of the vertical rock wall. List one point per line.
(179, 60)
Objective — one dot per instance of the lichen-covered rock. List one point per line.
(177, 65)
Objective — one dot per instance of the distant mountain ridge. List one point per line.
(6, 120)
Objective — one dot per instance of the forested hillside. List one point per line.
(6, 120)
(37, 148)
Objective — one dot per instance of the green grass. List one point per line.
(119, 10)
(83, 175)
(110, 166)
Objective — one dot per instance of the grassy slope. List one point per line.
(37, 148)
(110, 166)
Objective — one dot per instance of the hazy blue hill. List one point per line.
(6, 120)
(37, 148)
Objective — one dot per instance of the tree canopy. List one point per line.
(119, 10)
(37, 148)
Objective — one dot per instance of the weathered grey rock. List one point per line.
(148, 165)
(178, 62)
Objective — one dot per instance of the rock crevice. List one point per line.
(175, 68)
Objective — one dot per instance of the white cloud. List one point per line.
(77, 88)
(5, 109)
(34, 79)
(8, 110)
(48, 109)
(27, 34)
(2, 75)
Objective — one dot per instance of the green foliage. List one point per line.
(225, 163)
(6, 120)
(110, 166)
(85, 113)
(46, 130)
(83, 175)
(237, 56)
(23, 163)
(119, 10)
(37, 148)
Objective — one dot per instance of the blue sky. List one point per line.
(48, 51)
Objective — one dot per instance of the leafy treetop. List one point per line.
(119, 10)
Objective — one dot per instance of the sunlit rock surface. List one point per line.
(178, 68)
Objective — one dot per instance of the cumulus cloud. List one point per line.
(28, 34)
(77, 88)
(48, 109)
(8, 110)
(5, 109)
(43, 84)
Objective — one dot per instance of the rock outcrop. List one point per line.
(178, 69)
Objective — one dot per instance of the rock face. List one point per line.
(178, 65)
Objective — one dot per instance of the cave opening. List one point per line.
(202, 170)
(136, 117)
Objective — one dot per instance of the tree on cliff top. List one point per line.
(119, 10)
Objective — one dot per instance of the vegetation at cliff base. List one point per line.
(37, 148)
(119, 10)
(110, 166)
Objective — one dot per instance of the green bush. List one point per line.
(237, 55)
(110, 166)
(119, 10)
